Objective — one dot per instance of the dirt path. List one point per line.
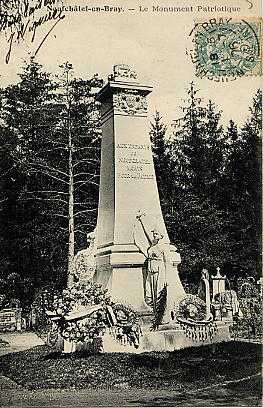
(16, 342)
(19, 342)
(133, 397)
(12, 395)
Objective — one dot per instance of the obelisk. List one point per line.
(127, 185)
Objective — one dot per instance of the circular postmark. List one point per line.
(227, 49)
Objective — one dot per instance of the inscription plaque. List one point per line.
(133, 161)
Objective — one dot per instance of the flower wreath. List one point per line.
(103, 315)
(191, 309)
(127, 329)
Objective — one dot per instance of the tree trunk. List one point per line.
(71, 240)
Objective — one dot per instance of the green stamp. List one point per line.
(227, 48)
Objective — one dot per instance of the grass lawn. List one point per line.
(188, 369)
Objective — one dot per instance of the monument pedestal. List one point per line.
(166, 340)
(121, 270)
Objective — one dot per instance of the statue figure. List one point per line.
(156, 268)
(204, 292)
(162, 286)
(84, 260)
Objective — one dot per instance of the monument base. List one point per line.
(121, 270)
(127, 288)
(166, 340)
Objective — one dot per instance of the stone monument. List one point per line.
(130, 254)
(128, 192)
(219, 283)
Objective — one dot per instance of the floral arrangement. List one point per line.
(191, 308)
(126, 329)
(81, 294)
(191, 315)
(85, 331)
(250, 301)
(85, 311)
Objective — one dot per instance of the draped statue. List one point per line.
(162, 286)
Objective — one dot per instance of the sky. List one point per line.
(155, 43)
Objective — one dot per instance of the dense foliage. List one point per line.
(211, 188)
(250, 301)
(49, 170)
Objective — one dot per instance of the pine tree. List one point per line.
(82, 129)
(56, 126)
(198, 153)
(161, 159)
(242, 187)
(24, 124)
(198, 145)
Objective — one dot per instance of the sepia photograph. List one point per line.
(130, 203)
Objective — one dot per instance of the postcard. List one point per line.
(130, 203)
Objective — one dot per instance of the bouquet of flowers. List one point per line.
(85, 311)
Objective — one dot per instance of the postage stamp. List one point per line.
(227, 48)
